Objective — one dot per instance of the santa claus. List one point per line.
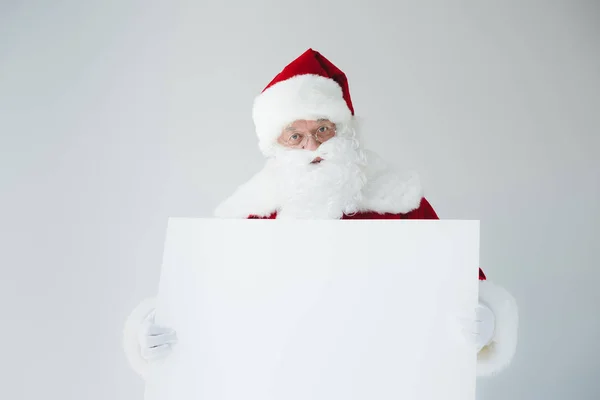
(317, 169)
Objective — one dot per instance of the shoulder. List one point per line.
(387, 190)
(257, 197)
(424, 211)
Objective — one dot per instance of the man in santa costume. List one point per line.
(316, 169)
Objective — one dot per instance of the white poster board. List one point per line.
(317, 310)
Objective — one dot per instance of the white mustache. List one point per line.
(333, 150)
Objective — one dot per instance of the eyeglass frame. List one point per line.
(315, 135)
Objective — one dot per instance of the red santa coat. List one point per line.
(386, 196)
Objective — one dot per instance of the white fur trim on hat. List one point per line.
(131, 344)
(300, 97)
(497, 355)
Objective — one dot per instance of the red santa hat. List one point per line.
(310, 87)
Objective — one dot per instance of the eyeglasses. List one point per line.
(299, 140)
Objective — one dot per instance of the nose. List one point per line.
(312, 144)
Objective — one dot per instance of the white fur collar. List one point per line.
(386, 191)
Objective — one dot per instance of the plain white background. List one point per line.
(116, 115)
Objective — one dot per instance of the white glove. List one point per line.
(155, 341)
(481, 331)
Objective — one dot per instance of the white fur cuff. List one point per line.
(131, 344)
(497, 355)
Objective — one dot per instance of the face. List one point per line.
(307, 134)
(320, 170)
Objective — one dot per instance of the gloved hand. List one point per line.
(481, 331)
(155, 341)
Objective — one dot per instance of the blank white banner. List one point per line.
(317, 310)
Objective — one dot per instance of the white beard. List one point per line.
(326, 190)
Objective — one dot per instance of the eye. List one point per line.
(295, 138)
(323, 129)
